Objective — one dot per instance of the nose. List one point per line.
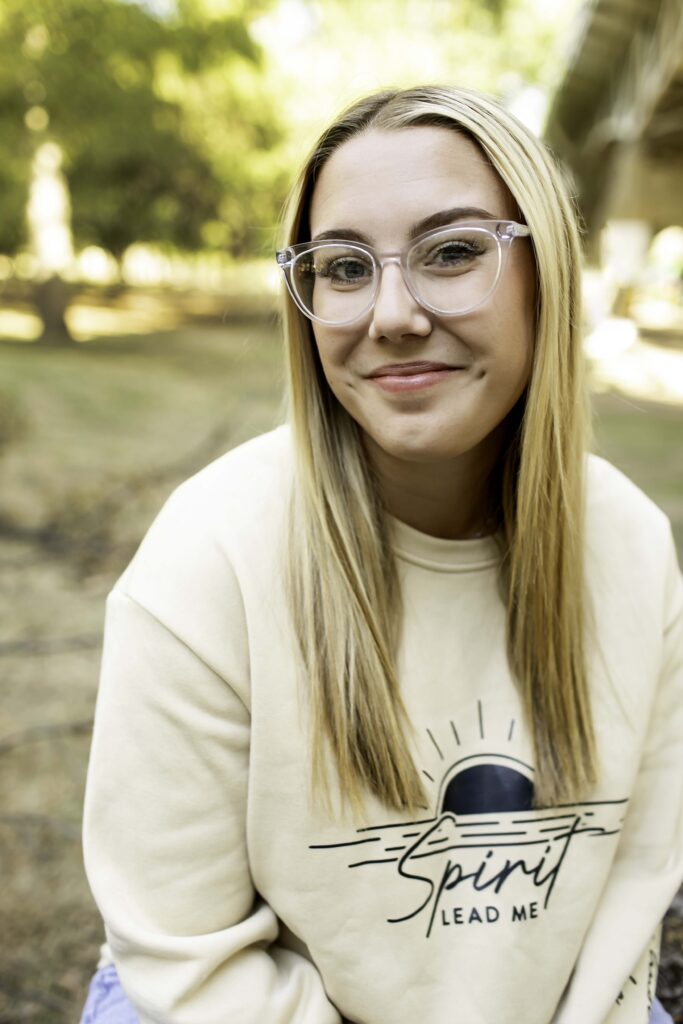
(396, 314)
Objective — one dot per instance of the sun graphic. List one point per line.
(483, 783)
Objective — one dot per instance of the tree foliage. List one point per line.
(148, 153)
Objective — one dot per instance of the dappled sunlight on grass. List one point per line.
(87, 323)
(621, 360)
(19, 325)
(120, 312)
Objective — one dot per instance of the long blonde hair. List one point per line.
(343, 586)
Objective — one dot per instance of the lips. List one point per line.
(411, 369)
(408, 378)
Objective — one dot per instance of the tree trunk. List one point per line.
(52, 299)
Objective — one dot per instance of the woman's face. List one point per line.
(469, 371)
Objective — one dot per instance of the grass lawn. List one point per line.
(99, 436)
(645, 441)
(102, 412)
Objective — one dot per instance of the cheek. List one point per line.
(335, 352)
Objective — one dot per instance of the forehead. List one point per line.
(380, 182)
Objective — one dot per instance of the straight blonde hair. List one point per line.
(342, 579)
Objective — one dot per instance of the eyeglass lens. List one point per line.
(452, 271)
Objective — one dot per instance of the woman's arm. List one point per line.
(648, 866)
(165, 846)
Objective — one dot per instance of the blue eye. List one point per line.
(452, 253)
(345, 270)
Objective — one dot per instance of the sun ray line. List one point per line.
(512, 729)
(431, 779)
(481, 720)
(455, 732)
(438, 748)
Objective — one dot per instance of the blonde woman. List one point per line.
(389, 727)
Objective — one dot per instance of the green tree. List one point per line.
(122, 91)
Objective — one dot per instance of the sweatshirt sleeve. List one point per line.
(616, 970)
(164, 838)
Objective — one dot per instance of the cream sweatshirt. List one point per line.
(229, 898)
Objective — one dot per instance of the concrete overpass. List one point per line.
(616, 119)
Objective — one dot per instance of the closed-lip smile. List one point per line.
(406, 378)
(411, 369)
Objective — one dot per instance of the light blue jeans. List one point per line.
(107, 1003)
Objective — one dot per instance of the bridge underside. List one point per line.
(616, 120)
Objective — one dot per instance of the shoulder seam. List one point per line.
(120, 591)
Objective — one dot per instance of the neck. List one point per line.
(448, 500)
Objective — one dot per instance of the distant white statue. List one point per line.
(49, 212)
(49, 222)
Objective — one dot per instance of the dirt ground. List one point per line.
(95, 440)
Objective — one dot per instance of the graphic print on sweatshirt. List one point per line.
(485, 855)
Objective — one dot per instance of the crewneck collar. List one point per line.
(443, 555)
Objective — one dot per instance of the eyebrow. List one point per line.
(434, 220)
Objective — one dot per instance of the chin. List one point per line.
(425, 451)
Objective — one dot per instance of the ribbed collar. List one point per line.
(442, 555)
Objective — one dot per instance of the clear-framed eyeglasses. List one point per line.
(451, 271)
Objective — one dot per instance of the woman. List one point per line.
(390, 716)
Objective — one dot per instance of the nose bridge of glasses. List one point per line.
(388, 257)
(403, 273)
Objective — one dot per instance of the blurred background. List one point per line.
(146, 148)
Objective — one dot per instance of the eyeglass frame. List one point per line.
(504, 234)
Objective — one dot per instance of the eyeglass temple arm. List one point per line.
(514, 230)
